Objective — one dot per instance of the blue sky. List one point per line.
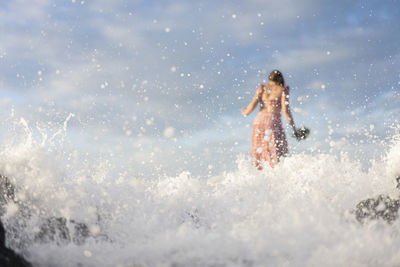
(160, 84)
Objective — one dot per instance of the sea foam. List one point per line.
(297, 214)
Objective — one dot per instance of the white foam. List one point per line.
(294, 215)
(393, 158)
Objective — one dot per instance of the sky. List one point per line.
(158, 85)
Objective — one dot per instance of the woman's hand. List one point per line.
(296, 132)
(244, 111)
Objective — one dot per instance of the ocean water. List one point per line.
(298, 214)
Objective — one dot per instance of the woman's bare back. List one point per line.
(271, 98)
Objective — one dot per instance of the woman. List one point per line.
(268, 137)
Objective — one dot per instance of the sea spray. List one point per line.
(393, 156)
(297, 214)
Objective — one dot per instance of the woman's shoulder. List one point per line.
(279, 88)
(285, 90)
(282, 88)
(261, 88)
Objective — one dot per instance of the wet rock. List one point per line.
(8, 258)
(7, 191)
(383, 207)
(56, 230)
(61, 231)
(194, 217)
(81, 232)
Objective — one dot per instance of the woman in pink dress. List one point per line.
(268, 137)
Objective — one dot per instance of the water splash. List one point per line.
(297, 214)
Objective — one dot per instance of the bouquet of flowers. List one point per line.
(301, 133)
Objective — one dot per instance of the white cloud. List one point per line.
(20, 11)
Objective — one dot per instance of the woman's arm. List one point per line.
(286, 108)
(246, 111)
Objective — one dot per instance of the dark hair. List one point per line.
(277, 77)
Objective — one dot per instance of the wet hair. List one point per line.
(277, 77)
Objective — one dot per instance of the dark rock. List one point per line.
(194, 217)
(81, 232)
(9, 258)
(62, 232)
(7, 192)
(54, 230)
(383, 207)
(57, 230)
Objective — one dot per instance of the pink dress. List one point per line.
(268, 137)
